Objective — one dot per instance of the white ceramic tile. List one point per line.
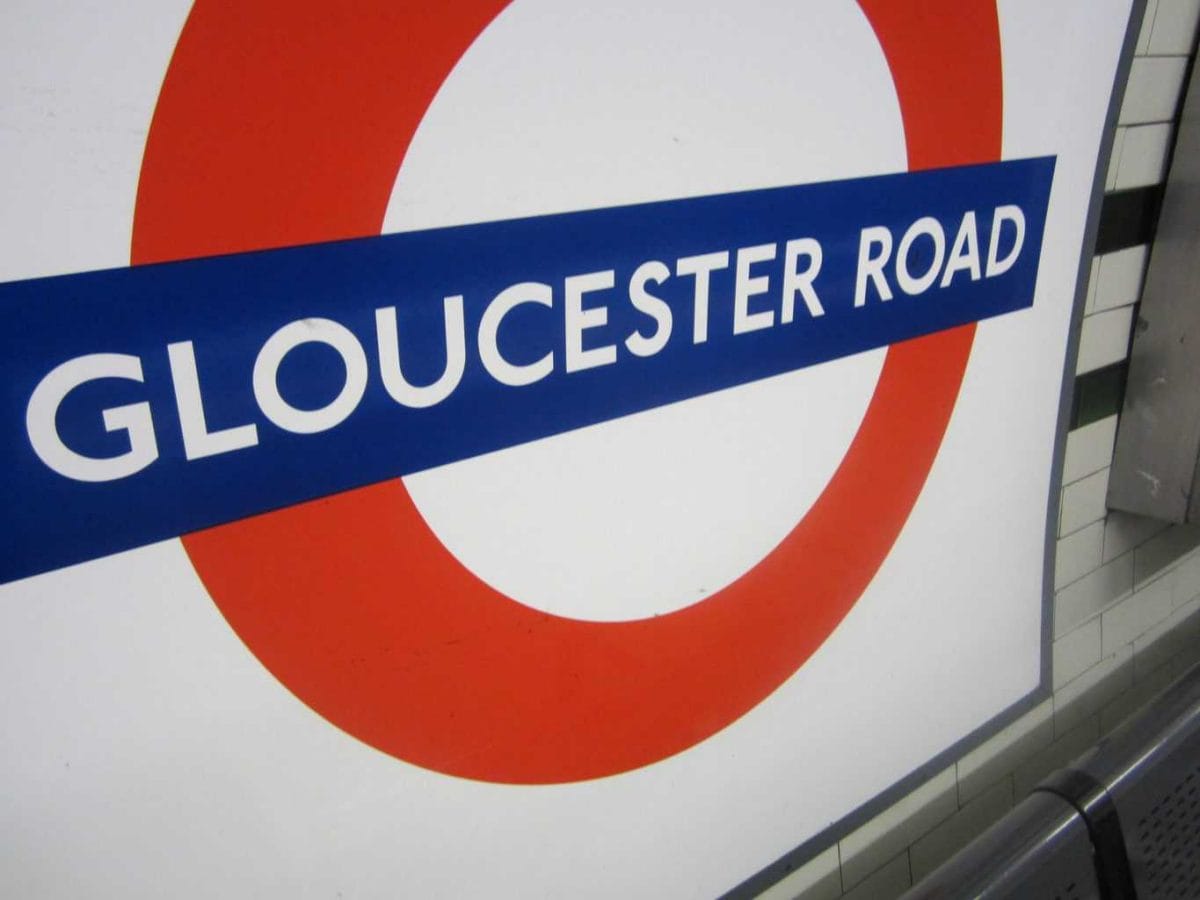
(1077, 554)
(955, 833)
(1123, 531)
(1104, 339)
(1152, 93)
(1136, 698)
(1119, 277)
(1080, 601)
(817, 879)
(871, 845)
(1083, 502)
(1089, 449)
(1076, 652)
(1147, 28)
(1164, 550)
(1093, 279)
(1174, 26)
(1114, 159)
(1157, 644)
(1188, 657)
(1143, 156)
(886, 883)
(1086, 695)
(1134, 615)
(1000, 754)
(1187, 580)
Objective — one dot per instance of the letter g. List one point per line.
(134, 420)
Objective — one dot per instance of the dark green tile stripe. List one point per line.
(1128, 218)
(1098, 394)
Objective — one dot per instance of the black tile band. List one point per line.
(1128, 218)
(1098, 394)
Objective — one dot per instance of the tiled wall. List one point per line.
(1127, 589)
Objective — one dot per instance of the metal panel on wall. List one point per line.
(1155, 471)
(535, 449)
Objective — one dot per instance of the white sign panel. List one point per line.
(527, 448)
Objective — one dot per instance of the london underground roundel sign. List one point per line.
(648, 411)
(332, 594)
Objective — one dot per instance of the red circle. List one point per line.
(285, 123)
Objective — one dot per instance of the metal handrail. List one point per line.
(1122, 822)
